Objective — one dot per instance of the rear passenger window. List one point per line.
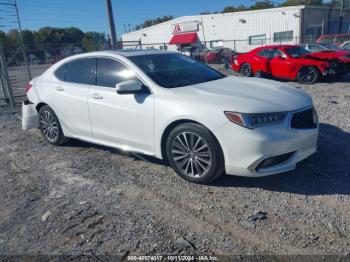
(111, 72)
(266, 53)
(60, 72)
(81, 71)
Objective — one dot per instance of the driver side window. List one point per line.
(277, 53)
(110, 72)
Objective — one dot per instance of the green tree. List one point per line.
(232, 9)
(302, 2)
(93, 41)
(151, 22)
(262, 5)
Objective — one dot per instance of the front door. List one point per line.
(280, 65)
(125, 120)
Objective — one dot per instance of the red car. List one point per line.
(337, 39)
(289, 62)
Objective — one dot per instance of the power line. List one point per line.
(91, 10)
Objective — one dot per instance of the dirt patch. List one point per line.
(87, 199)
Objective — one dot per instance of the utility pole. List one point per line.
(22, 43)
(113, 34)
(342, 4)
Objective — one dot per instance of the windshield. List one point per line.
(175, 70)
(297, 51)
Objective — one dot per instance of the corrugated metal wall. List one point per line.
(233, 28)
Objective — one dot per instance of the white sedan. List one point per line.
(167, 105)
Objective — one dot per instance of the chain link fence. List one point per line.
(21, 63)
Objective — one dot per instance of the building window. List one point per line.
(216, 43)
(257, 39)
(283, 36)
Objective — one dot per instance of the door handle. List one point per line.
(96, 96)
(59, 89)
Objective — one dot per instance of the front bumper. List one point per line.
(244, 149)
(337, 69)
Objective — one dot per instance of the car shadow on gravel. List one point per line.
(327, 172)
(136, 156)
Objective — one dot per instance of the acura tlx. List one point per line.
(164, 104)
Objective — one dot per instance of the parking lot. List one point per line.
(86, 199)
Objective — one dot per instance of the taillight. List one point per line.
(27, 87)
(235, 61)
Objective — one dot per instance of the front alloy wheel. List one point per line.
(308, 75)
(194, 153)
(191, 154)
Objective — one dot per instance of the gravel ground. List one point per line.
(86, 199)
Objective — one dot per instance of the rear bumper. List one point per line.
(30, 117)
(245, 149)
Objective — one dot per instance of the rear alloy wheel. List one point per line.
(308, 75)
(246, 70)
(50, 126)
(194, 153)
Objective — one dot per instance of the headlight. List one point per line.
(256, 120)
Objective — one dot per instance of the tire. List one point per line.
(246, 70)
(308, 75)
(50, 126)
(194, 153)
(259, 74)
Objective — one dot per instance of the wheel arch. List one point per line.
(312, 65)
(252, 67)
(173, 125)
(306, 66)
(40, 105)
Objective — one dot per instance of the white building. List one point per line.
(241, 31)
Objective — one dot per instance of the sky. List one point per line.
(90, 15)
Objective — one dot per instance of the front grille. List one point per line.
(339, 67)
(304, 120)
(274, 161)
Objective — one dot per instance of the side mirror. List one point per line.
(128, 87)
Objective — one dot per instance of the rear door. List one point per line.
(70, 95)
(124, 120)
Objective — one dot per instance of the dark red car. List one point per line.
(209, 56)
(289, 62)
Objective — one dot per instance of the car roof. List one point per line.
(124, 53)
(133, 52)
(273, 46)
(333, 35)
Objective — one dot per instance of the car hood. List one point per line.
(326, 55)
(248, 95)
